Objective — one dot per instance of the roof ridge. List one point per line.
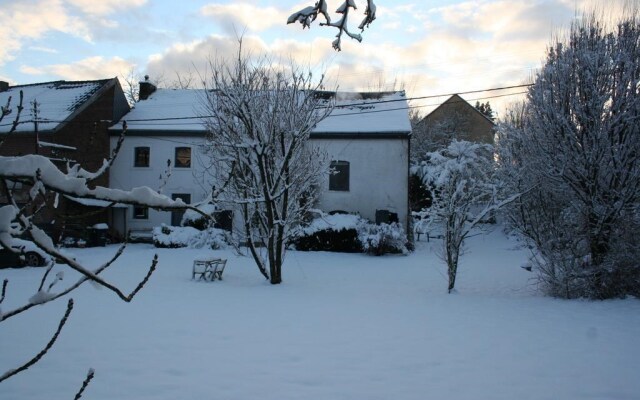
(61, 81)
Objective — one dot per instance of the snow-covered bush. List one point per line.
(573, 148)
(350, 234)
(337, 232)
(382, 239)
(196, 220)
(187, 236)
(466, 193)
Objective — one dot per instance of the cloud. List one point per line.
(87, 69)
(31, 19)
(242, 15)
(192, 58)
(43, 49)
(105, 7)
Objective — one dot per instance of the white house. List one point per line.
(366, 136)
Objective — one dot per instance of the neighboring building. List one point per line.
(453, 119)
(368, 142)
(66, 121)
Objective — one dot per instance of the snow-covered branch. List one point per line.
(308, 15)
(45, 182)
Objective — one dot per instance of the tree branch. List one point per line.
(85, 383)
(44, 351)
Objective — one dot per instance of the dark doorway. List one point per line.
(176, 216)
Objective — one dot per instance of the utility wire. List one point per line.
(362, 103)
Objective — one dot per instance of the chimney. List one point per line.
(4, 86)
(146, 88)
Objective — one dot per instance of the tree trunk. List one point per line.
(453, 251)
(452, 266)
(276, 273)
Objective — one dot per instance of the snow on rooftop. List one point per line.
(367, 113)
(157, 112)
(56, 102)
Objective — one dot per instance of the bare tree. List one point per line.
(47, 182)
(578, 139)
(130, 85)
(261, 118)
(307, 15)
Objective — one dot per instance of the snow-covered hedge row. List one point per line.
(329, 233)
(350, 234)
(186, 236)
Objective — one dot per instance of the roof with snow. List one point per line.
(58, 102)
(180, 111)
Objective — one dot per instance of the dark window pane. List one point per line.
(140, 212)
(339, 178)
(183, 157)
(141, 158)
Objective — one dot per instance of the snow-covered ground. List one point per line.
(341, 326)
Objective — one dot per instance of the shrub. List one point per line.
(382, 239)
(329, 233)
(174, 237)
(350, 234)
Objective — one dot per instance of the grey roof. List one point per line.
(57, 103)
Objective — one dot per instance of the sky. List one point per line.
(428, 47)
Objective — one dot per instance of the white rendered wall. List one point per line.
(123, 174)
(378, 176)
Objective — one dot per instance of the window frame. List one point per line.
(135, 156)
(175, 157)
(344, 184)
(143, 215)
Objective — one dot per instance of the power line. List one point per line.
(362, 103)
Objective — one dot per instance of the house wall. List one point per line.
(378, 176)
(88, 133)
(124, 175)
(453, 119)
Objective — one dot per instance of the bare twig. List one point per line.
(4, 292)
(83, 280)
(88, 379)
(16, 120)
(44, 351)
(164, 177)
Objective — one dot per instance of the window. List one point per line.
(13, 185)
(140, 212)
(339, 178)
(183, 157)
(141, 157)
